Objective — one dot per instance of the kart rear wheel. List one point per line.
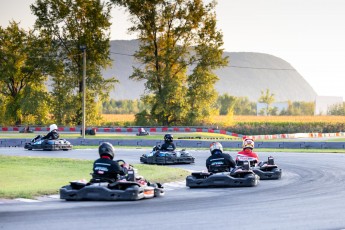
(249, 176)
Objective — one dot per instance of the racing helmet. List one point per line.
(248, 143)
(168, 137)
(216, 146)
(106, 149)
(52, 127)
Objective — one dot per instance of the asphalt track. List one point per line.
(310, 195)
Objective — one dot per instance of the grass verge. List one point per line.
(29, 177)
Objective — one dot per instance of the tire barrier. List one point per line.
(94, 130)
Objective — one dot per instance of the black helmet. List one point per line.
(106, 149)
(168, 137)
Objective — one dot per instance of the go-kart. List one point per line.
(266, 170)
(26, 130)
(126, 188)
(240, 176)
(163, 157)
(143, 133)
(45, 144)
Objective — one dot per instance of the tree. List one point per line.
(23, 93)
(337, 109)
(179, 47)
(122, 106)
(244, 107)
(226, 103)
(70, 24)
(268, 99)
(299, 108)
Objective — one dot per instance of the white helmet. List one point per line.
(52, 127)
(216, 146)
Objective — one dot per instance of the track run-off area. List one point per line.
(310, 195)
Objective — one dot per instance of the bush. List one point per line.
(269, 128)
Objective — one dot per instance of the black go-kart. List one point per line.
(266, 170)
(26, 130)
(162, 157)
(241, 176)
(43, 144)
(126, 188)
(144, 133)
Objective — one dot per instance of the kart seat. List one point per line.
(218, 168)
(77, 185)
(246, 165)
(270, 161)
(252, 163)
(99, 179)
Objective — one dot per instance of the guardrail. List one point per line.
(188, 143)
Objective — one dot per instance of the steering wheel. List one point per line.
(122, 162)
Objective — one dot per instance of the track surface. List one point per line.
(310, 195)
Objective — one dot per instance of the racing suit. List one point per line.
(52, 135)
(168, 146)
(247, 154)
(105, 168)
(220, 162)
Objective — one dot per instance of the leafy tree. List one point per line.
(226, 103)
(235, 105)
(69, 25)
(268, 99)
(338, 110)
(244, 107)
(23, 94)
(2, 109)
(122, 106)
(299, 108)
(177, 38)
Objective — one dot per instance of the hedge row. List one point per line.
(267, 128)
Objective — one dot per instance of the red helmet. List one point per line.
(248, 143)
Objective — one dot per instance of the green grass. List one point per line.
(29, 177)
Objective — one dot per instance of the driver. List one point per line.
(247, 152)
(219, 161)
(105, 167)
(168, 145)
(53, 134)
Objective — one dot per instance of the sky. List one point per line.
(308, 34)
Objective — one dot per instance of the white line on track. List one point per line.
(26, 200)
